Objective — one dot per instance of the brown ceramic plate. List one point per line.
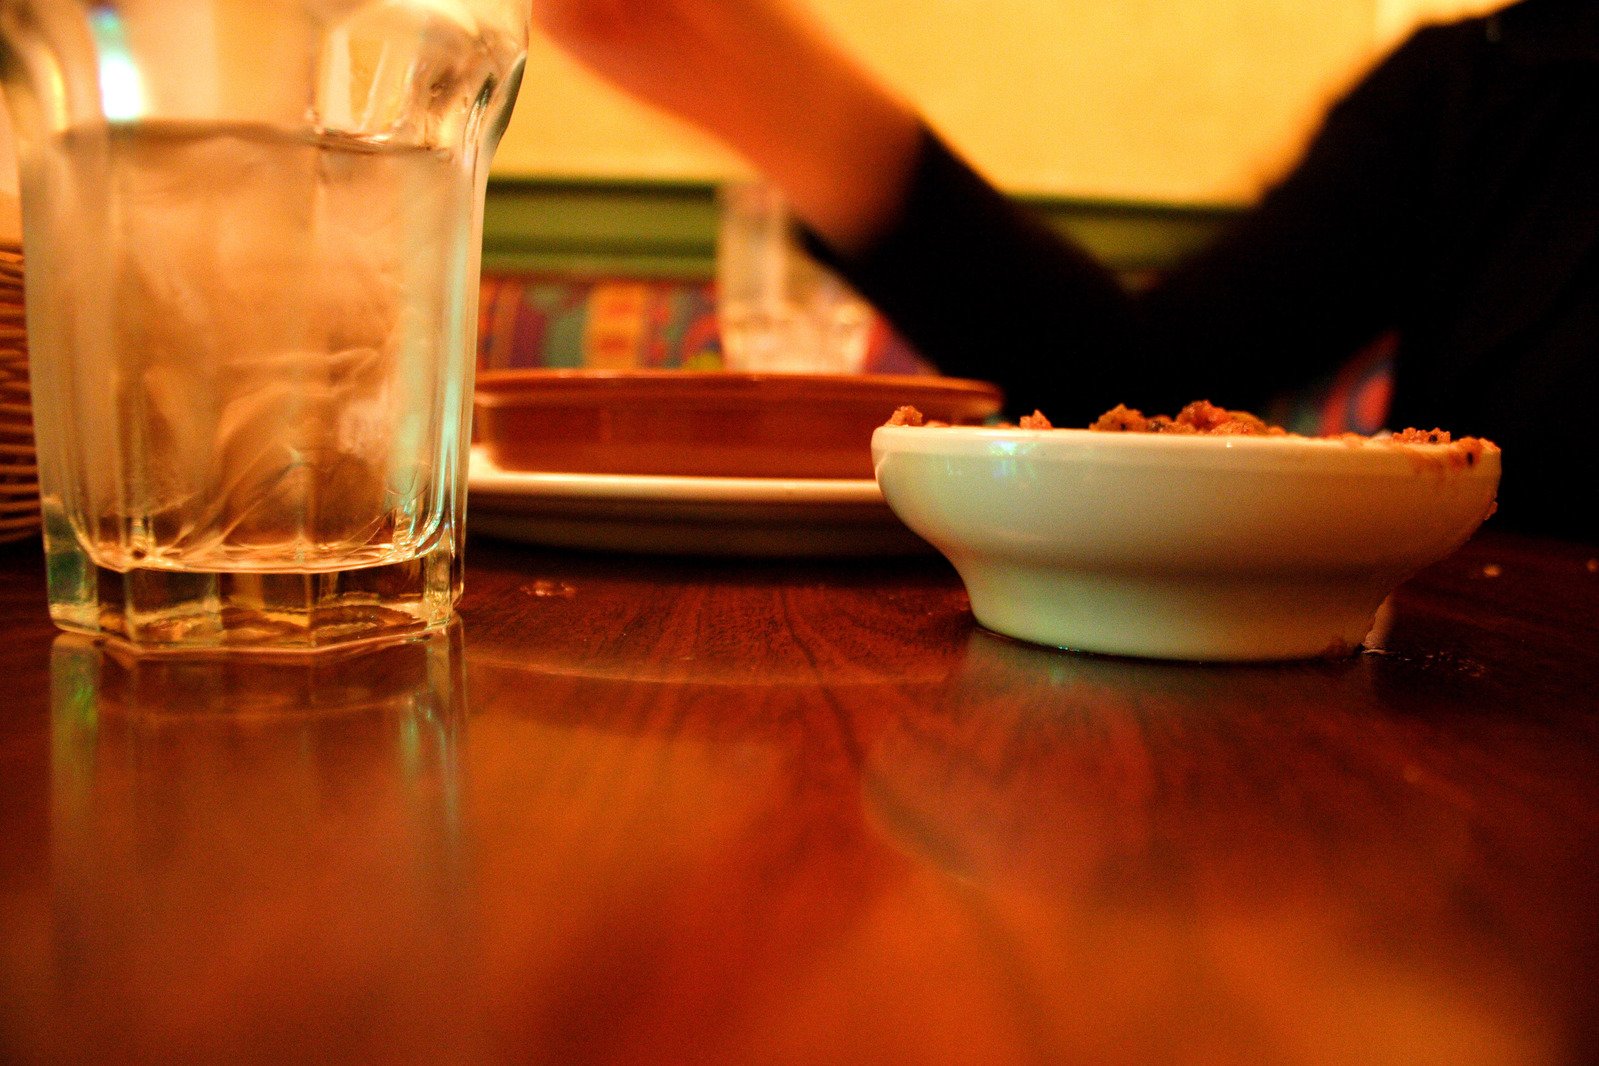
(705, 424)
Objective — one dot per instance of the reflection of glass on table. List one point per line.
(778, 308)
(217, 818)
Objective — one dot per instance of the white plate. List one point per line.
(686, 515)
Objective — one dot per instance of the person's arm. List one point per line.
(1330, 258)
(768, 82)
(980, 285)
(1321, 266)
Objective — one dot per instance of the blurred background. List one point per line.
(1139, 126)
(1166, 100)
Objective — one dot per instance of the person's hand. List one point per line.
(764, 78)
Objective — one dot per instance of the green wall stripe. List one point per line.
(668, 229)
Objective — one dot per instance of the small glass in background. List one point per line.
(780, 311)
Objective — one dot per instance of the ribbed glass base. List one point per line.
(264, 611)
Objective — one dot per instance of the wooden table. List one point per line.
(645, 810)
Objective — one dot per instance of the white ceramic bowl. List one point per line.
(1182, 547)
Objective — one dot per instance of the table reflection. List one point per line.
(728, 812)
(1120, 828)
(240, 836)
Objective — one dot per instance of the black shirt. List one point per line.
(1451, 198)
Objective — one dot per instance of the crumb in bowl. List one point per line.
(910, 416)
(1421, 436)
(1466, 451)
(1204, 417)
(1201, 416)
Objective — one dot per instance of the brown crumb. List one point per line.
(1421, 436)
(1206, 417)
(1201, 416)
(1167, 424)
(1463, 451)
(1122, 419)
(906, 416)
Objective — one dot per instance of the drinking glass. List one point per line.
(252, 231)
(778, 309)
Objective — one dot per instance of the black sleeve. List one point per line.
(985, 289)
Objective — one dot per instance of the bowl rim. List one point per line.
(1349, 452)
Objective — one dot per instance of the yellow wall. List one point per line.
(1172, 100)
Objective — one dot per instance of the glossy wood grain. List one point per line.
(650, 810)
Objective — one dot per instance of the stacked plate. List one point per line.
(19, 471)
(697, 463)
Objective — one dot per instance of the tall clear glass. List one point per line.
(252, 231)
